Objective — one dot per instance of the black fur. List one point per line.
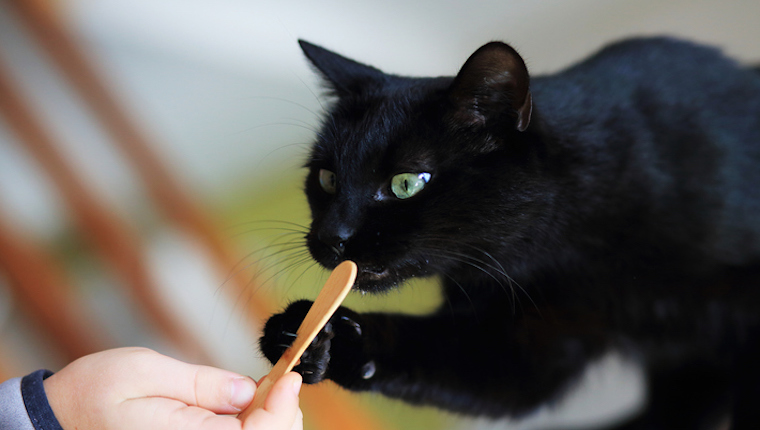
(613, 205)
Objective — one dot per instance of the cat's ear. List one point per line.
(343, 75)
(493, 87)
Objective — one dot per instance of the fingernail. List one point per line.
(242, 392)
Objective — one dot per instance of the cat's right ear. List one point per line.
(493, 89)
(344, 76)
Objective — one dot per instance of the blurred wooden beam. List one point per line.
(42, 290)
(167, 193)
(113, 239)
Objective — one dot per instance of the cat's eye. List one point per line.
(327, 181)
(405, 185)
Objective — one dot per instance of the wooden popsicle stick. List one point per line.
(335, 290)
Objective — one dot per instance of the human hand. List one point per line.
(137, 388)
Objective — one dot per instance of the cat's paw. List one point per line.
(336, 353)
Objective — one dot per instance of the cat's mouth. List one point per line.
(374, 274)
(375, 279)
(372, 278)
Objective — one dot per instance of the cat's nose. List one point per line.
(336, 240)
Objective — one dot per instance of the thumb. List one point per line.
(284, 394)
(280, 409)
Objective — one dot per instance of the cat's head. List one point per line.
(422, 176)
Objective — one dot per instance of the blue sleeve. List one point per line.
(24, 405)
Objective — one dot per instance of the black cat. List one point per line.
(614, 205)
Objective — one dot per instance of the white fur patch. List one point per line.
(611, 389)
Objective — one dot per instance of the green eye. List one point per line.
(405, 185)
(327, 180)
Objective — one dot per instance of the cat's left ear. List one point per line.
(343, 75)
(492, 88)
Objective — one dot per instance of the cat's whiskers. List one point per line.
(482, 265)
(290, 227)
(290, 252)
(255, 278)
(316, 97)
(496, 266)
(466, 294)
(310, 126)
(285, 249)
(294, 260)
(290, 122)
(237, 269)
(325, 115)
(305, 258)
(290, 102)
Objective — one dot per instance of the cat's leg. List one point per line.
(487, 363)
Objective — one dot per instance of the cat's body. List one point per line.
(613, 205)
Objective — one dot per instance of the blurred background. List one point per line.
(150, 179)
